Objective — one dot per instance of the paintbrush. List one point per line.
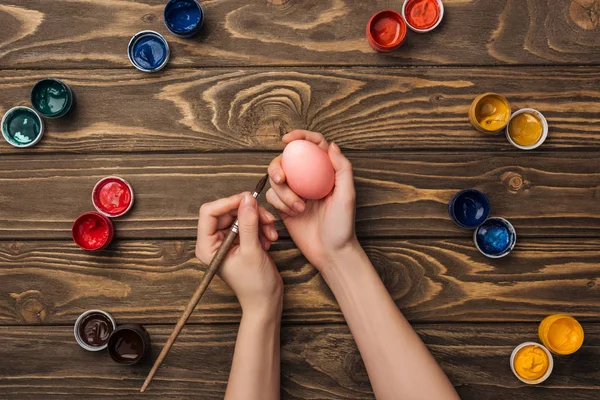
(213, 267)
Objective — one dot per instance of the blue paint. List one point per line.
(469, 208)
(184, 17)
(495, 238)
(148, 51)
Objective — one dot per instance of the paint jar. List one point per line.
(148, 51)
(22, 127)
(93, 328)
(469, 208)
(495, 238)
(423, 15)
(561, 333)
(489, 113)
(184, 18)
(92, 231)
(531, 363)
(386, 31)
(527, 129)
(52, 98)
(112, 196)
(129, 344)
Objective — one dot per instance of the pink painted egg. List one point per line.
(308, 170)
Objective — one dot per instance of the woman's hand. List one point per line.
(248, 269)
(320, 228)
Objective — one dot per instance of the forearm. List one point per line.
(398, 363)
(256, 361)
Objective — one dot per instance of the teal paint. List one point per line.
(52, 98)
(22, 127)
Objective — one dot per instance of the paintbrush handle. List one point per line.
(212, 269)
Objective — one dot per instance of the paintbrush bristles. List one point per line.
(261, 184)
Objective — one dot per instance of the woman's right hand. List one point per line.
(322, 229)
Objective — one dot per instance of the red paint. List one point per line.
(386, 31)
(92, 231)
(112, 196)
(422, 14)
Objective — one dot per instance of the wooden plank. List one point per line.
(430, 280)
(318, 362)
(282, 32)
(360, 109)
(399, 195)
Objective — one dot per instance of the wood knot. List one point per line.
(30, 307)
(585, 13)
(149, 18)
(513, 181)
(278, 2)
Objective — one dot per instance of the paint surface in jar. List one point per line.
(22, 126)
(50, 97)
(565, 335)
(182, 16)
(492, 113)
(531, 363)
(493, 237)
(149, 52)
(113, 197)
(91, 231)
(422, 14)
(525, 129)
(387, 30)
(95, 329)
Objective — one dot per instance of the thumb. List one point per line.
(344, 177)
(248, 222)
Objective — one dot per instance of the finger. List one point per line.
(344, 177)
(265, 216)
(225, 221)
(300, 134)
(264, 243)
(276, 171)
(208, 221)
(248, 222)
(287, 195)
(269, 231)
(279, 205)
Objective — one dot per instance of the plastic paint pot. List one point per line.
(93, 328)
(561, 333)
(469, 208)
(22, 127)
(489, 113)
(52, 98)
(495, 238)
(112, 196)
(423, 16)
(184, 18)
(531, 359)
(148, 51)
(92, 231)
(128, 344)
(525, 125)
(386, 31)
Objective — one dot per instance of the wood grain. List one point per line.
(360, 108)
(399, 195)
(95, 33)
(317, 363)
(430, 280)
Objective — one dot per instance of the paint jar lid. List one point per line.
(561, 333)
(148, 51)
(386, 31)
(184, 18)
(51, 97)
(531, 118)
(93, 329)
(129, 344)
(423, 15)
(22, 126)
(469, 208)
(92, 231)
(112, 196)
(495, 238)
(542, 353)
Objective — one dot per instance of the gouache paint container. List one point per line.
(129, 344)
(423, 16)
(52, 98)
(561, 333)
(148, 51)
(469, 208)
(489, 113)
(531, 363)
(93, 329)
(112, 196)
(495, 237)
(22, 127)
(386, 31)
(92, 231)
(184, 18)
(527, 129)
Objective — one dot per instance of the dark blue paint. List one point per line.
(469, 208)
(184, 17)
(149, 52)
(495, 237)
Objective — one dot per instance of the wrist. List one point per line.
(347, 260)
(266, 311)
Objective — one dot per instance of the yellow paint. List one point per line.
(489, 113)
(525, 129)
(531, 362)
(562, 334)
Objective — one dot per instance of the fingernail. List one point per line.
(335, 147)
(273, 233)
(270, 217)
(277, 178)
(248, 200)
(299, 206)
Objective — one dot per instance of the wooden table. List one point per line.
(208, 126)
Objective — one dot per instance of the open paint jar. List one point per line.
(423, 15)
(22, 127)
(184, 18)
(148, 51)
(52, 98)
(469, 208)
(561, 333)
(112, 196)
(531, 363)
(386, 31)
(93, 328)
(527, 129)
(92, 231)
(128, 344)
(489, 113)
